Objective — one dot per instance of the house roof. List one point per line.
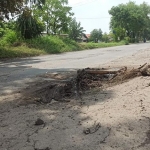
(88, 35)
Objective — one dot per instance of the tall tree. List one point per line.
(9, 6)
(119, 33)
(146, 28)
(130, 17)
(28, 25)
(12, 7)
(105, 37)
(96, 35)
(56, 14)
(75, 30)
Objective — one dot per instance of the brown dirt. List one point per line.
(66, 86)
(115, 118)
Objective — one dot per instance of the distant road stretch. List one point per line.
(13, 73)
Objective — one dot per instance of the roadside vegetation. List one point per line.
(22, 37)
(91, 45)
(46, 45)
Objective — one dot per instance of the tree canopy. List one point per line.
(9, 6)
(28, 25)
(56, 15)
(13, 7)
(130, 17)
(96, 35)
(75, 30)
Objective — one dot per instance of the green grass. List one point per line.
(100, 45)
(46, 45)
(53, 44)
(20, 51)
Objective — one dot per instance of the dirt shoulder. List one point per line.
(116, 117)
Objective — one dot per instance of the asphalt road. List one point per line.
(15, 73)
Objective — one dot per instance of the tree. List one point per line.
(146, 29)
(56, 15)
(130, 17)
(96, 35)
(29, 26)
(105, 37)
(14, 6)
(9, 6)
(119, 33)
(75, 30)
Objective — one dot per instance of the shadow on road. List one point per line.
(64, 124)
(16, 74)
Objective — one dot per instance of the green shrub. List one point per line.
(28, 26)
(2, 31)
(132, 40)
(21, 51)
(126, 40)
(9, 38)
(100, 45)
(53, 44)
(72, 44)
(45, 45)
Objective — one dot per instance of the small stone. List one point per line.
(96, 99)
(39, 122)
(131, 128)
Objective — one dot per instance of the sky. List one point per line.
(93, 14)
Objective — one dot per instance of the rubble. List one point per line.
(92, 129)
(86, 79)
(39, 122)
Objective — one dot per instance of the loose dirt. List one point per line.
(79, 117)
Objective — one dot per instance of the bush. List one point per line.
(9, 38)
(53, 44)
(46, 45)
(28, 26)
(126, 40)
(100, 45)
(2, 31)
(132, 40)
(72, 44)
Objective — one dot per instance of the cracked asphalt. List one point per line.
(122, 111)
(15, 73)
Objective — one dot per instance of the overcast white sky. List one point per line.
(93, 14)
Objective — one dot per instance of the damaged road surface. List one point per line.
(17, 73)
(103, 108)
(48, 115)
(80, 82)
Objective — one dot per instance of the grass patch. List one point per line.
(53, 44)
(46, 45)
(100, 45)
(20, 51)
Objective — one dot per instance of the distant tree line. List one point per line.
(29, 18)
(131, 21)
